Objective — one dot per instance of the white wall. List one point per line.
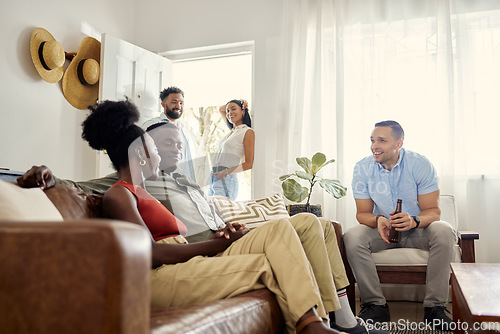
(174, 25)
(37, 124)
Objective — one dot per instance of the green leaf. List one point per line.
(284, 177)
(304, 163)
(317, 162)
(303, 175)
(333, 187)
(328, 162)
(293, 191)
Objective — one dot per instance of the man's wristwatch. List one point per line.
(417, 221)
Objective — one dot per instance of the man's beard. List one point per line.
(170, 113)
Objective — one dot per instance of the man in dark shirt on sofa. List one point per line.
(176, 191)
(187, 201)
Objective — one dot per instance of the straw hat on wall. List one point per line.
(80, 82)
(47, 55)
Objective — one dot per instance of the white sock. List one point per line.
(344, 317)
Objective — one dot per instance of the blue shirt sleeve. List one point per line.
(359, 183)
(425, 176)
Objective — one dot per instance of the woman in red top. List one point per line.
(228, 265)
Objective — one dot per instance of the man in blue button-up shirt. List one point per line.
(389, 174)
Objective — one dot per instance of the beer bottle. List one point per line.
(395, 236)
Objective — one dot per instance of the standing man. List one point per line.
(172, 101)
(389, 174)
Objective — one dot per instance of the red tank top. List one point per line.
(160, 222)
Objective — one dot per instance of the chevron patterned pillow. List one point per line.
(253, 212)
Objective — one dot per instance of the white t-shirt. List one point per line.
(231, 151)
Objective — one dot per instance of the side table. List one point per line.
(475, 297)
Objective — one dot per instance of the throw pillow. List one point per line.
(19, 204)
(253, 213)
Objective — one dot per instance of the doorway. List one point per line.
(210, 77)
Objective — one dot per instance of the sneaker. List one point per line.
(437, 317)
(375, 313)
(360, 328)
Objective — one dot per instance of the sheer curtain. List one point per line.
(434, 66)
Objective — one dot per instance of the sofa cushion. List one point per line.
(253, 212)
(407, 257)
(19, 204)
(252, 312)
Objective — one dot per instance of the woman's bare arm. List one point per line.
(119, 203)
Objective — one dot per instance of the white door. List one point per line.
(130, 71)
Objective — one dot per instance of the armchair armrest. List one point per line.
(466, 243)
(85, 276)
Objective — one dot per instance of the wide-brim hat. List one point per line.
(80, 83)
(47, 55)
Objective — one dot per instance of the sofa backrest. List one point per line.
(448, 210)
(60, 202)
(9, 175)
(73, 203)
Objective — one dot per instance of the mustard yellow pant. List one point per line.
(274, 255)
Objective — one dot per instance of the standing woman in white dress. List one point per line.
(236, 150)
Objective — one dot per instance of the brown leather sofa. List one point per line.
(91, 275)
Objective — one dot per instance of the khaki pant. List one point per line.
(270, 256)
(439, 238)
(319, 241)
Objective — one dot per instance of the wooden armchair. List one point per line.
(411, 265)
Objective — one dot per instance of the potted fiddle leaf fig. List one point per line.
(295, 192)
